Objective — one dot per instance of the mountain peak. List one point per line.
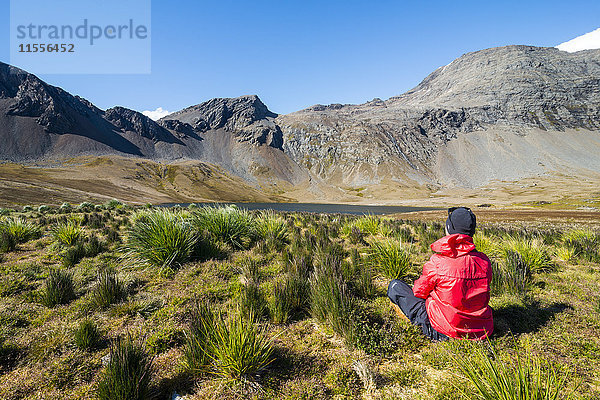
(539, 86)
(228, 113)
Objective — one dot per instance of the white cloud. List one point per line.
(588, 41)
(156, 114)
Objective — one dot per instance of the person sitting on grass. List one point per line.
(451, 297)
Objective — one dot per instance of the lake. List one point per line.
(320, 208)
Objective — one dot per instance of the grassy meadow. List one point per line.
(117, 302)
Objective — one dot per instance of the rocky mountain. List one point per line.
(246, 117)
(40, 122)
(37, 120)
(449, 130)
(493, 115)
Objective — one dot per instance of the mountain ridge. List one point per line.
(500, 95)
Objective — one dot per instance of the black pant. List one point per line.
(413, 307)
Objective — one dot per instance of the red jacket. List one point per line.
(456, 285)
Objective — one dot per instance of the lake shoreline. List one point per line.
(319, 208)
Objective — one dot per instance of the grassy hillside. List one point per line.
(100, 179)
(221, 303)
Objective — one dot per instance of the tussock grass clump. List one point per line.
(356, 236)
(389, 258)
(7, 241)
(65, 208)
(584, 242)
(196, 359)
(16, 230)
(160, 238)
(565, 253)
(233, 348)
(88, 247)
(112, 235)
(291, 294)
(495, 376)
(94, 246)
(249, 269)
(297, 262)
(533, 253)
(228, 224)
(58, 289)
(273, 229)
(85, 207)
(72, 255)
(361, 273)
(290, 298)
(87, 335)
(368, 225)
(20, 229)
(404, 234)
(95, 220)
(429, 233)
(511, 276)
(67, 234)
(44, 209)
(330, 300)
(113, 204)
(252, 301)
(240, 347)
(108, 290)
(128, 373)
(489, 245)
(281, 303)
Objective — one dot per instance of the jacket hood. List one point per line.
(453, 245)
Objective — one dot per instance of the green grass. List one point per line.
(368, 224)
(67, 234)
(229, 224)
(128, 373)
(490, 245)
(58, 288)
(361, 276)
(7, 241)
(239, 348)
(491, 375)
(16, 230)
(87, 335)
(290, 298)
(327, 310)
(249, 269)
(252, 301)
(20, 229)
(533, 252)
(390, 259)
(272, 229)
(108, 290)
(330, 300)
(510, 276)
(196, 359)
(429, 233)
(232, 348)
(160, 238)
(585, 243)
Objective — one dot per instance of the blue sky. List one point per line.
(294, 54)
